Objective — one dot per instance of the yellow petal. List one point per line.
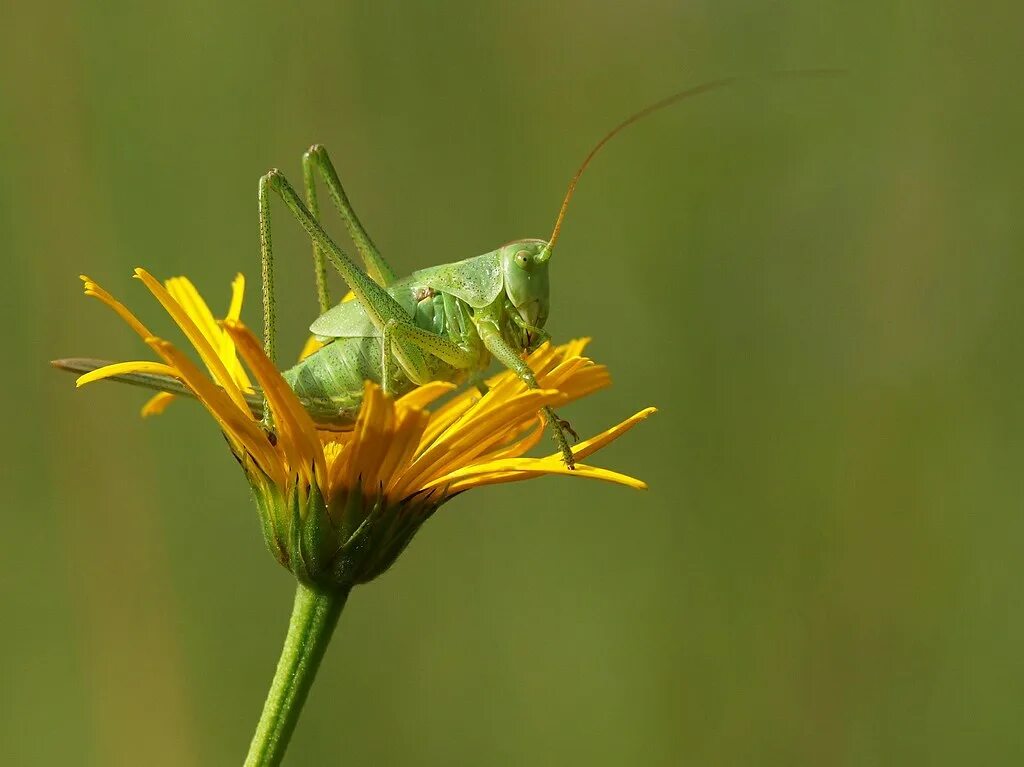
(520, 446)
(288, 437)
(299, 431)
(184, 292)
(373, 436)
(592, 445)
(227, 343)
(405, 440)
(519, 469)
(123, 368)
(93, 289)
(575, 347)
(157, 404)
(442, 418)
(424, 395)
(236, 423)
(478, 429)
(195, 336)
(237, 293)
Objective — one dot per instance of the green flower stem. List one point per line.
(314, 617)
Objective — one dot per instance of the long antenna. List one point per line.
(667, 101)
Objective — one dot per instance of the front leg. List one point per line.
(508, 357)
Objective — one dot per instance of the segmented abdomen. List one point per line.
(331, 379)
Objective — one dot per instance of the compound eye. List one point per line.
(523, 259)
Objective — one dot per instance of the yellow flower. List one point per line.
(339, 506)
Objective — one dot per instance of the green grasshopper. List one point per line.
(441, 323)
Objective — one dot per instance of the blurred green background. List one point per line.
(817, 282)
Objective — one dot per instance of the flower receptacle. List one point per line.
(334, 545)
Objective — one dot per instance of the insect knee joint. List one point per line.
(272, 178)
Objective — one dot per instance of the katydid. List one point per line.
(440, 323)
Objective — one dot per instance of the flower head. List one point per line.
(337, 507)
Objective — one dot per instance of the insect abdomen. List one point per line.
(332, 378)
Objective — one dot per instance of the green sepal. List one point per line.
(295, 561)
(317, 540)
(353, 549)
(351, 515)
(385, 533)
(268, 506)
(352, 541)
(403, 524)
